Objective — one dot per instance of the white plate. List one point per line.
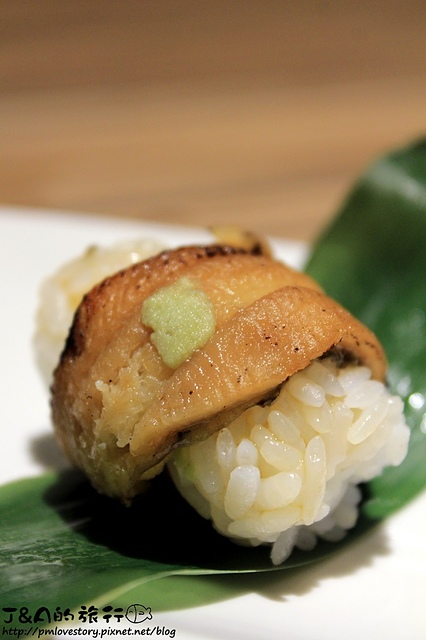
(374, 589)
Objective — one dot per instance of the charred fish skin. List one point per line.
(246, 360)
(271, 321)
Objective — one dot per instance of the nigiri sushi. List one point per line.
(263, 399)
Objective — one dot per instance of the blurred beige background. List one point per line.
(260, 114)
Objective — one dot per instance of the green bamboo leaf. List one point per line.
(59, 539)
(372, 259)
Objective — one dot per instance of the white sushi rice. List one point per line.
(61, 293)
(287, 473)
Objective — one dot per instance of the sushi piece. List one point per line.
(265, 399)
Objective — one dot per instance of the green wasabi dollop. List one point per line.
(182, 318)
